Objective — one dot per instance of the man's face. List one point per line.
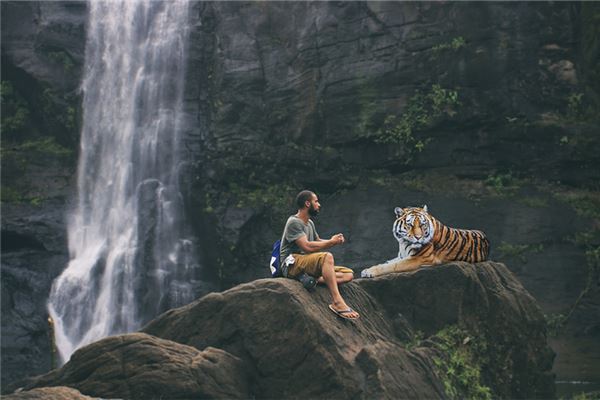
(314, 207)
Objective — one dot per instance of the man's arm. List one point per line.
(319, 244)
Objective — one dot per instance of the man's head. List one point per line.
(308, 200)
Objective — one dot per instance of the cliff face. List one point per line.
(272, 339)
(484, 112)
(42, 55)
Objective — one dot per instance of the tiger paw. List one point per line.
(367, 273)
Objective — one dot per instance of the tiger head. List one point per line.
(413, 224)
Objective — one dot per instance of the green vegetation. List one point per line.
(420, 112)
(518, 251)
(587, 396)
(555, 323)
(454, 45)
(58, 112)
(15, 112)
(11, 195)
(585, 203)
(34, 151)
(460, 366)
(416, 340)
(17, 158)
(503, 185)
(580, 109)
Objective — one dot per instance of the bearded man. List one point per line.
(302, 252)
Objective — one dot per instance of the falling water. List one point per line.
(129, 258)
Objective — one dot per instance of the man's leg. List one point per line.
(329, 276)
(340, 277)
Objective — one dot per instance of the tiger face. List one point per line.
(413, 225)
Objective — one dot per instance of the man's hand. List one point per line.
(338, 239)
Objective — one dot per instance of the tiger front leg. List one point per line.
(405, 265)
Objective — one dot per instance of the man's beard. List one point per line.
(313, 212)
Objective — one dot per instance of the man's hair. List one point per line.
(303, 197)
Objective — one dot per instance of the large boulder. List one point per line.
(140, 366)
(457, 330)
(298, 348)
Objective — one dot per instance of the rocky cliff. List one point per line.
(457, 330)
(486, 112)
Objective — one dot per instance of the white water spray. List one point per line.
(129, 258)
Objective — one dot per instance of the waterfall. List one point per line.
(129, 256)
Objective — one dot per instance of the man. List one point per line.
(302, 249)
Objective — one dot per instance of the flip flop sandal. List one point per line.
(343, 313)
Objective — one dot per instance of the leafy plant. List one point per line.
(455, 44)
(416, 340)
(460, 366)
(502, 184)
(554, 323)
(420, 112)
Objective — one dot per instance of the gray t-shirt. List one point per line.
(294, 229)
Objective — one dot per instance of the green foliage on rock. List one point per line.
(518, 251)
(454, 45)
(555, 323)
(461, 362)
(15, 112)
(503, 184)
(421, 112)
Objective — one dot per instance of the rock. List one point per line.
(297, 348)
(49, 393)
(140, 366)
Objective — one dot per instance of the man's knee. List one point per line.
(329, 258)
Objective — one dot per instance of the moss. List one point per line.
(15, 112)
(587, 396)
(518, 251)
(460, 366)
(585, 203)
(416, 340)
(12, 194)
(455, 44)
(36, 150)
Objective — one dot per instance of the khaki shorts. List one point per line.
(312, 264)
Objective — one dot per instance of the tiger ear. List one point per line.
(399, 211)
(425, 208)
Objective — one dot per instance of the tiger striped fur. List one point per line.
(423, 240)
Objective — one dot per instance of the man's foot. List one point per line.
(347, 313)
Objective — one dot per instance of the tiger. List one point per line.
(424, 241)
